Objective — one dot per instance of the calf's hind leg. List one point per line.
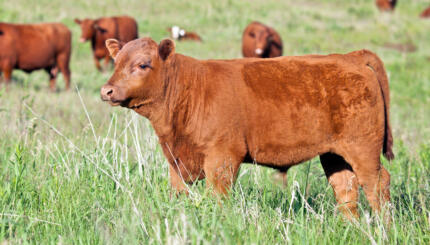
(281, 176)
(343, 181)
(372, 176)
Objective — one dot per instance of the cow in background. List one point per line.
(97, 31)
(425, 13)
(386, 5)
(37, 46)
(181, 35)
(261, 41)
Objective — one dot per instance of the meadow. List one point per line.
(74, 170)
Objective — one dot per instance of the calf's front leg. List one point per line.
(221, 173)
(177, 182)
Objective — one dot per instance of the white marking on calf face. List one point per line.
(182, 32)
(259, 51)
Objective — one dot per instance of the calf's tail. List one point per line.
(375, 63)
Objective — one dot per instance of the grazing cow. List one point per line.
(123, 28)
(181, 35)
(261, 41)
(425, 13)
(386, 5)
(212, 115)
(32, 47)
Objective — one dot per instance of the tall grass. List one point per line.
(74, 170)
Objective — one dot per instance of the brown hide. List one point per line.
(212, 115)
(97, 31)
(425, 13)
(386, 5)
(37, 46)
(261, 41)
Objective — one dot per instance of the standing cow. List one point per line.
(123, 28)
(386, 5)
(33, 47)
(212, 115)
(261, 41)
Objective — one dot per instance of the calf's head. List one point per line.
(137, 82)
(262, 38)
(89, 27)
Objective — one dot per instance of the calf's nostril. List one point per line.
(109, 92)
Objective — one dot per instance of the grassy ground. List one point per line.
(75, 170)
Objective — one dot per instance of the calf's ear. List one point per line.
(113, 47)
(77, 21)
(166, 48)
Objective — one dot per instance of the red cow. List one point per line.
(123, 28)
(425, 13)
(261, 41)
(32, 47)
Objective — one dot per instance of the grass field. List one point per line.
(74, 170)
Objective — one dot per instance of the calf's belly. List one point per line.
(281, 154)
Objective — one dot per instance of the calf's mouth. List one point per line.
(141, 103)
(113, 103)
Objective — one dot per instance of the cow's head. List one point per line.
(137, 82)
(392, 3)
(262, 37)
(88, 28)
(386, 5)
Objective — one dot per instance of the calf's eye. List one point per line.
(144, 66)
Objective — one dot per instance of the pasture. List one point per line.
(74, 170)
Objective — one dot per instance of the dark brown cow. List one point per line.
(33, 47)
(212, 115)
(181, 35)
(261, 41)
(425, 13)
(386, 5)
(123, 28)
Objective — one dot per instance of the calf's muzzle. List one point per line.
(107, 92)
